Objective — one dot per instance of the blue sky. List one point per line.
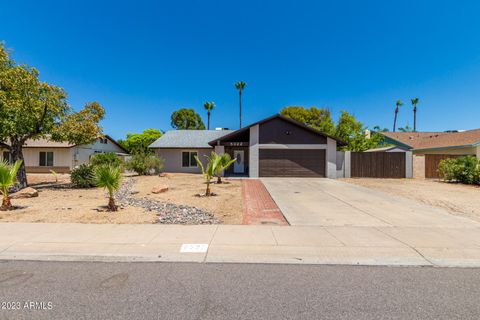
(144, 59)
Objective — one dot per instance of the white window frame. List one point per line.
(189, 158)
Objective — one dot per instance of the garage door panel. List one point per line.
(292, 163)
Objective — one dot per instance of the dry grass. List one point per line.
(458, 199)
(58, 202)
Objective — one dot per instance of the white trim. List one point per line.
(292, 146)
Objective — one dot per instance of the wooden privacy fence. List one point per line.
(378, 164)
(432, 162)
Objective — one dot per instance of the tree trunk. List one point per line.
(207, 192)
(111, 204)
(6, 204)
(395, 121)
(240, 97)
(415, 119)
(219, 179)
(208, 120)
(16, 149)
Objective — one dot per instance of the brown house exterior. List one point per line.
(429, 148)
(274, 147)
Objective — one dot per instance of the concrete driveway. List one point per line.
(327, 202)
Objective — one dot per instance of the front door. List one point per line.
(239, 164)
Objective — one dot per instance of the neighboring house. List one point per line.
(276, 146)
(429, 148)
(43, 155)
(388, 149)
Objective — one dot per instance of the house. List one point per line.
(43, 155)
(275, 146)
(429, 148)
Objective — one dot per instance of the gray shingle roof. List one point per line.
(188, 138)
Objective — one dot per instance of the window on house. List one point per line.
(46, 159)
(188, 159)
(7, 156)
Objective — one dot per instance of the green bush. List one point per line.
(145, 164)
(83, 176)
(463, 169)
(109, 159)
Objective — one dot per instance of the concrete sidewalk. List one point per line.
(412, 246)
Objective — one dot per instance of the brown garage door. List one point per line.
(431, 164)
(291, 163)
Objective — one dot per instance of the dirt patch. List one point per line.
(58, 202)
(458, 199)
(185, 189)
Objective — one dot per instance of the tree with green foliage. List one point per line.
(8, 178)
(110, 178)
(32, 109)
(240, 86)
(209, 171)
(223, 164)
(352, 131)
(407, 128)
(187, 119)
(139, 142)
(108, 158)
(398, 104)
(319, 119)
(145, 163)
(209, 106)
(414, 104)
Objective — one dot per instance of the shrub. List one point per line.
(109, 177)
(463, 169)
(145, 164)
(83, 176)
(109, 159)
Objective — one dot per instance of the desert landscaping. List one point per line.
(456, 198)
(59, 202)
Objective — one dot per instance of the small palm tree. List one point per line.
(109, 177)
(8, 178)
(209, 106)
(240, 86)
(223, 164)
(414, 104)
(398, 105)
(209, 171)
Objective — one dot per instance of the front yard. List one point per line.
(58, 202)
(458, 199)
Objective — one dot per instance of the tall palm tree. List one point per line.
(8, 178)
(209, 106)
(398, 104)
(240, 85)
(110, 178)
(414, 104)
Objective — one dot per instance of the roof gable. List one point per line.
(431, 140)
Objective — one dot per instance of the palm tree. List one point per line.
(414, 104)
(8, 178)
(209, 171)
(109, 177)
(209, 107)
(398, 104)
(240, 85)
(224, 163)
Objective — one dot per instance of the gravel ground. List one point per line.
(167, 213)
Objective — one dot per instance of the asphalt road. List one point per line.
(88, 290)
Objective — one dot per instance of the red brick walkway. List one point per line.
(259, 207)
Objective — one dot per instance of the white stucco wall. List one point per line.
(254, 151)
(81, 154)
(331, 170)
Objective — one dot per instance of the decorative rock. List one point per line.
(25, 193)
(160, 189)
(163, 175)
